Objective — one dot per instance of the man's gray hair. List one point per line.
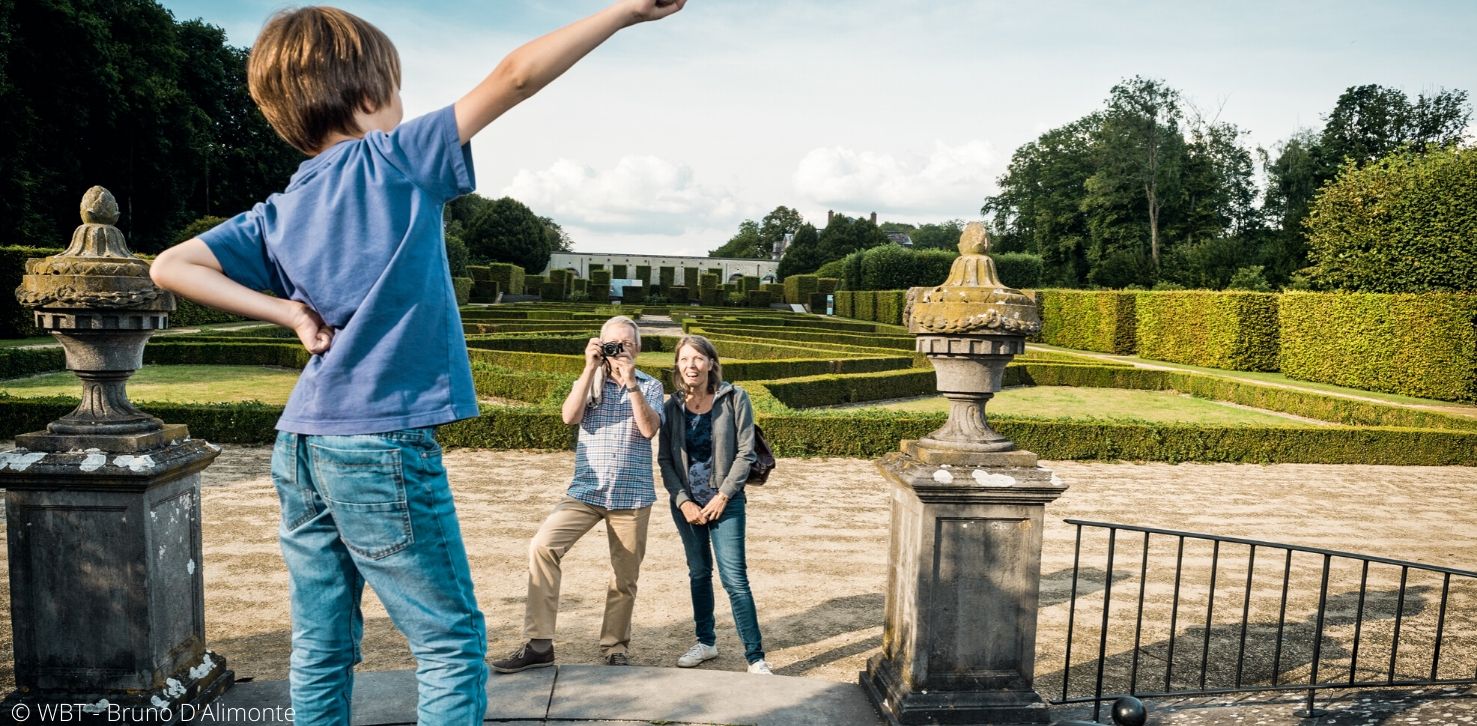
(635, 329)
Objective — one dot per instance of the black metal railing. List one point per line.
(1239, 649)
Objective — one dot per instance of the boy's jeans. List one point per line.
(722, 540)
(377, 508)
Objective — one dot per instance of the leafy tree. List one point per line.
(803, 255)
(502, 230)
(942, 236)
(779, 222)
(1039, 207)
(1140, 153)
(1402, 224)
(153, 109)
(845, 235)
(559, 240)
(744, 244)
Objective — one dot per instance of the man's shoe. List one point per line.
(760, 667)
(696, 655)
(523, 659)
(617, 659)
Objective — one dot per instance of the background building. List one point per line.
(579, 263)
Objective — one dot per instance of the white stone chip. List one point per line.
(94, 461)
(986, 479)
(20, 462)
(943, 476)
(190, 566)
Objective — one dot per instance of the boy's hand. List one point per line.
(645, 10)
(315, 334)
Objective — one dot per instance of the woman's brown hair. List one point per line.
(705, 348)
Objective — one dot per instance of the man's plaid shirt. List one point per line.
(612, 463)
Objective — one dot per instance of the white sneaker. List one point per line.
(761, 667)
(696, 655)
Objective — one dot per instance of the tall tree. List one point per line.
(803, 256)
(943, 236)
(845, 235)
(1140, 144)
(559, 240)
(1039, 207)
(501, 230)
(774, 226)
(744, 244)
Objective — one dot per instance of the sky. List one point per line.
(670, 134)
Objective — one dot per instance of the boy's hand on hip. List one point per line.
(644, 10)
(315, 334)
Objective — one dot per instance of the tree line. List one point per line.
(1150, 191)
(122, 94)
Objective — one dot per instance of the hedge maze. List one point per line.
(797, 367)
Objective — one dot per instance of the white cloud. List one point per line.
(644, 194)
(949, 179)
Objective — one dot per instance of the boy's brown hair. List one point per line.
(311, 68)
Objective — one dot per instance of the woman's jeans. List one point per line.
(722, 540)
(377, 508)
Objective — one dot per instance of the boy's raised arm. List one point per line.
(534, 64)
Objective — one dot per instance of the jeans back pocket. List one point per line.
(363, 484)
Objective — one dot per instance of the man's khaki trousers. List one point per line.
(626, 532)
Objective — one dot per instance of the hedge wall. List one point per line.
(509, 277)
(633, 294)
(666, 276)
(600, 277)
(1413, 344)
(1229, 330)
(864, 305)
(643, 273)
(710, 296)
(599, 292)
(845, 303)
(619, 272)
(463, 286)
(678, 295)
(21, 362)
(690, 277)
(758, 298)
(827, 285)
(799, 288)
(889, 306)
(1103, 321)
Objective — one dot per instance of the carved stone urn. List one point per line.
(964, 557)
(96, 298)
(969, 327)
(102, 507)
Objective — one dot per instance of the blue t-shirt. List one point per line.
(357, 236)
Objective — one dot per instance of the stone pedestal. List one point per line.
(106, 594)
(959, 640)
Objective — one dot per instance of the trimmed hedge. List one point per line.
(1019, 269)
(845, 303)
(1229, 330)
(710, 296)
(550, 291)
(748, 283)
(510, 278)
(690, 277)
(618, 272)
(16, 321)
(463, 287)
(817, 303)
(666, 276)
(799, 288)
(1413, 344)
(678, 295)
(826, 285)
(533, 283)
(864, 305)
(633, 294)
(600, 277)
(889, 306)
(1100, 320)
(599, 292)
(643, 273)
(758, 298)
(21, 362)
(484, 291)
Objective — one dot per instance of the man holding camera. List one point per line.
(618, 409)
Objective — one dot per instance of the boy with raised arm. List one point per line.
(353, 251)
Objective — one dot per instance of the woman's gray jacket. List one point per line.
(733, 443)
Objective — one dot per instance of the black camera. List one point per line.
(613, 349)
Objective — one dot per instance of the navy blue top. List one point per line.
(699, 442)
(357, 236)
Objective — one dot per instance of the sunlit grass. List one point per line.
(175, 384)
(1107, 404)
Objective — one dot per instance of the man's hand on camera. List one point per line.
(623, 369)
(593, 357)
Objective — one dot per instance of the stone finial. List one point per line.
(99, 207)
(972, 300)
(974, 240)
(97, 270)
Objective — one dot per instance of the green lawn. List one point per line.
(175, 384)
(1108, 404)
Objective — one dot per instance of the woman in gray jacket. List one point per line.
(706, 448)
